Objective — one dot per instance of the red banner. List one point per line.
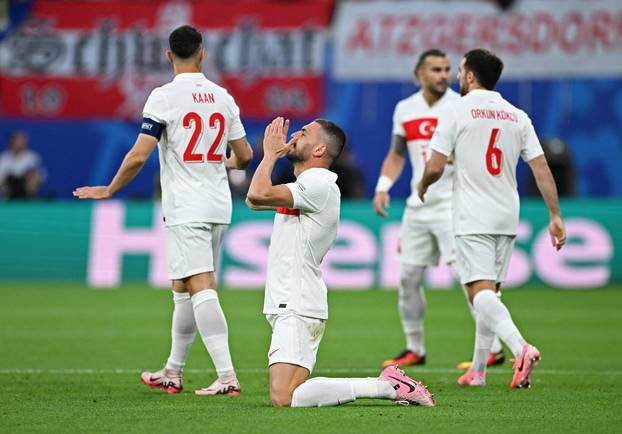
(84, 59)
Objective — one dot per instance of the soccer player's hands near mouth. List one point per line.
(100, 192)
(274, 138)
(558, 232)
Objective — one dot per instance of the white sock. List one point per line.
(372, 388)
(212, 326)
(483, 340)
(328, 392)
(412, 306)
(498, 318)
(496, 343)
(183, 330)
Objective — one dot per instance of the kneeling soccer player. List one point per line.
(305, 226)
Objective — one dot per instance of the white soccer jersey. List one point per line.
(300, 238)
(486, 135)
(199, 119)
(415, 120)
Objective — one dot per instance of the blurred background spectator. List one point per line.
(350, 181)
(561, 164)
(21, 171)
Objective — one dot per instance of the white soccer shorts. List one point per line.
(295, 339)
(484, 257)
(425, 238)
(193, 248)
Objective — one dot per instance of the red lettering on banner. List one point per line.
(572, 33)
(516, 44)
(420, 129)
(361, 39)
(535, 40)
(601, 22)
(387, 25)
(488, 33)
(544, 30)
(460, 33)
(405, 45)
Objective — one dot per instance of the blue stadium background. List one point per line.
(586, 114)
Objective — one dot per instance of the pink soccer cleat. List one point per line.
(218, 387)
(408, 390)
(523, 365)
(470, 378)
(165, 379)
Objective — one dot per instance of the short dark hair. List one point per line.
(433, 52)
(485, 65)
(185, 42)
(334, 135)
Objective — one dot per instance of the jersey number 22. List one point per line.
(216, 120)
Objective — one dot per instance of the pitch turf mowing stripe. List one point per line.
(318, 371)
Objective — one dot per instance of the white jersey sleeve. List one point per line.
(398, 126)
(531, 147)
(156, 107)
(444, 138)
(236, 129)
(310, 193)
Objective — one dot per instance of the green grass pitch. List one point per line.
(71, 358)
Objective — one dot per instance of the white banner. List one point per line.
(535, 39)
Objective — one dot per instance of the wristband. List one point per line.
(384, 184)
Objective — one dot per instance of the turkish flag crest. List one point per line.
(421, 128)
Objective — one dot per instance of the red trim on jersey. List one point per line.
(288, 211)
(422, 128)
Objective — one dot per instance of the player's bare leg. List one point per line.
(183, 331)
(496, 318)
(212, 327)
(284, 379)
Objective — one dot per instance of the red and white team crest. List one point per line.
(420, 129)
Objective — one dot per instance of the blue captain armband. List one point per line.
(152, 128)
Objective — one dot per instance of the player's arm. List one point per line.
(433, 171)
(442, 147)
(254, 207)
(241, 154)
(132, 164)
(546, 185)
(392, 168)
(261, 192)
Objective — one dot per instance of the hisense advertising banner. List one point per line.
(536, 39)
(110, 243)
(101, 59)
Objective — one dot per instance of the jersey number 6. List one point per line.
(494, 156)
(189, 155)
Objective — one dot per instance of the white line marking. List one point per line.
(124, 371)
